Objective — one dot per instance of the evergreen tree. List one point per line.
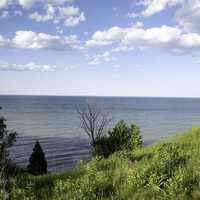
(37, 162)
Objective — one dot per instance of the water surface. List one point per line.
(54, 121)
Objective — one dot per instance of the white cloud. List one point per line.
(59, 2)
(138, 24)
(165, 37)
(152, 7)
(57, 11)
(68, 11)
(188, 16)
(74, 20)
(4, 3)
(50, 11)
(187, 13)
(31, 66)
(33, 40)
(29, 3)
(70, 16)
(100, 58)
(132, 15)
(155, 6)
(107, 37)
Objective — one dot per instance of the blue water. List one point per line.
(54, 121)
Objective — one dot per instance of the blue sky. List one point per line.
(100, 47)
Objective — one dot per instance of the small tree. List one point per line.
(7, 139)
(37, 162)
(94, 122)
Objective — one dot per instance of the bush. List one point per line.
(122, 137)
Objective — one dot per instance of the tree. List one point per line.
(7, 139)
(37, 162)
(94, 122)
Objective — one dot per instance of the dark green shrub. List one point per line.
(122, 137)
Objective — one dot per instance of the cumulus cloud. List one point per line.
(57, 11)
(27, 4)
(31, 66)
(50, 11)
(70, 16)
(33, 40)
(151, 7)
(100, 58)
(188, 16)
(155, 6)
(169, 38)
(107, 37)
(68, 11)
(187, 13)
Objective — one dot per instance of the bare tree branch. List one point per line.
(94, 121)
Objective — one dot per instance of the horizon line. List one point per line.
(98, 96)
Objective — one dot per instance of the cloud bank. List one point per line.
(31, 66)
(165, 37)
(33, 40)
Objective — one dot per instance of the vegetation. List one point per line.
(167, 170)
(94, 122)
(122, 137)
(37, 162)
(7, 139)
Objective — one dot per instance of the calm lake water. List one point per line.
(54, 121)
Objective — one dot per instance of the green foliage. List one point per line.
(168, 170)
(122, 137)
(7, 139)
(37, 162)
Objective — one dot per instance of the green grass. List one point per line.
(167, 170)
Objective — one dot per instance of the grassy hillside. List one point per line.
(166, 170)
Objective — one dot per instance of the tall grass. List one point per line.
(167, 170)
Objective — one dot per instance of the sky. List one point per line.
(100, 47)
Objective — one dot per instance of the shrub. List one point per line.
(122, 137)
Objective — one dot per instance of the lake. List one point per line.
(54, 121)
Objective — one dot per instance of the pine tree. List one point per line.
(37, 162)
